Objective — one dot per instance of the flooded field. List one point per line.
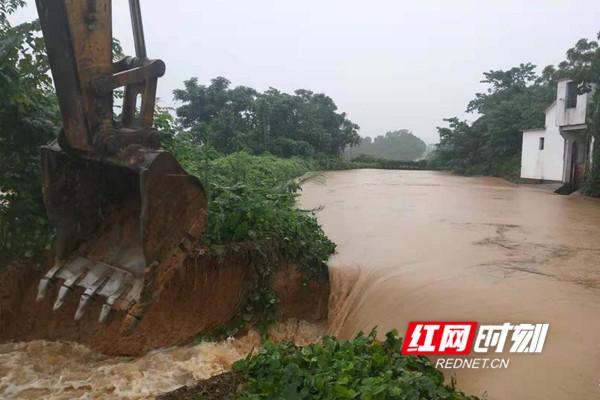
(432, 246)
(412, 245)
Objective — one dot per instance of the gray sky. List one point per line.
(387, 64)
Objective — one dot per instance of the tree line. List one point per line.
(400, 145)
(231, 119)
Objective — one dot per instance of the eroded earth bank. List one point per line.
(411, 246)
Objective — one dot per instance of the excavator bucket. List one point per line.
(116, 220)
(123, 209)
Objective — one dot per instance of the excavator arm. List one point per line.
(78, 36)
(121, 206)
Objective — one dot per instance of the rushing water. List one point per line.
(432, 246)
(411, 246)
(63, 370)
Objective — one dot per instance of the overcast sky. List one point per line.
(388, 64)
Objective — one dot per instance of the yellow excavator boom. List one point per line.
(121, 206)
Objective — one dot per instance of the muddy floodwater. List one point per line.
(63, 371)
(412, 245)
(421, 245)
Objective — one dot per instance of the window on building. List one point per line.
(571, 95)
(541, 143)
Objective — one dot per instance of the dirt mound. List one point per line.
(201, 295)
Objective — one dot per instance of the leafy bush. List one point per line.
(362, 368)
(28, 119)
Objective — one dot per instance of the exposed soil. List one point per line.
(202, 294)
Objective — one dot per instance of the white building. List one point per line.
(559, 151)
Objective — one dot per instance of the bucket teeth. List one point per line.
(116, 286)
(106, 307)
(71, 273)
(60, 299)
(104, 313)
(42, 288)
(45, 281)
(110, 301)
(92, 282)
(83, 302)
(99, 280)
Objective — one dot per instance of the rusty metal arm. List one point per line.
(125, 74)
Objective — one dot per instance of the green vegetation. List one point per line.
(362, 368)
(28, 119)
(399, 145)
(304, 124)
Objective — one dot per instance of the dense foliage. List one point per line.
(362, 368)
(491, 145)
(399, 145)
(28, 119)
(233, 119)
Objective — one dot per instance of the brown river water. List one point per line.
(412, 245)
(429, 246)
